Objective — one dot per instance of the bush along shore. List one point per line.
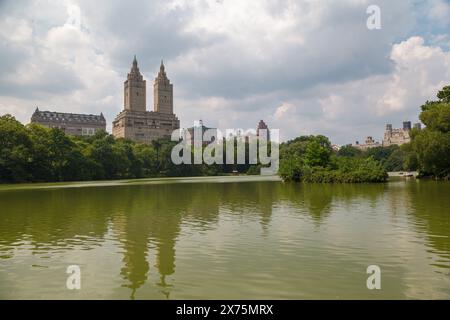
(311, 159)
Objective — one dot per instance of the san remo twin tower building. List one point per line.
(135, 122)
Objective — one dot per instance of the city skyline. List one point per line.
(231, 69)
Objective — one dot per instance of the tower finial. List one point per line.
(134, 67)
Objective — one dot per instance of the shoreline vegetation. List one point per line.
(311, 159)
(33, 153)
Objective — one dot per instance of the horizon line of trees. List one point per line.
(34, 153)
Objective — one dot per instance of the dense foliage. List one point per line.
(34, 153)
(432, 144)
(392, 158)
(311, 159)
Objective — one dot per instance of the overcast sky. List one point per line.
(305, 67)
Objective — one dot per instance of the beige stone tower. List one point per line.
(135, 90)
(162, 92)
(134, 121)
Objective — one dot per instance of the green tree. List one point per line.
(290, 168)
(15, 151)
(395, 161)
(295, 147)
(444, 94)
(102, 154)
(410, 160)
(146, 157)
(318, 152)
(41, 156)
(433, 152)
(381, 154)
(349, 151)
(432, 144)
(436, 116)
(63, 155)
(157, 144)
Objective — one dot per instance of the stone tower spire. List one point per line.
(135, 89)
(134, 67)
(135, 122)
(162, 92)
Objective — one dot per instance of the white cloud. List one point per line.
(16, 31)
(64, 71)
(353, 110)
(283, 111)
(440, 10)
(420, 71)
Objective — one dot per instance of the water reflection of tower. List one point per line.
(165, 232)
(134, 235)
(149, 219)
(148, 222)
(266, 196)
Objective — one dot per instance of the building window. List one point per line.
(88, 131)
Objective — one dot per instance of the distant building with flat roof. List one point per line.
(71, 123)
(369, 143)
(201, 129)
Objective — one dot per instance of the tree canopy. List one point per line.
(34, 153)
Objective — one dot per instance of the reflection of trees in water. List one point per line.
(149, 217)
(319, 199)
(142, 217)
(430, 211)
(201, 204)
(310, 197)
(250, 198)
(53, 218)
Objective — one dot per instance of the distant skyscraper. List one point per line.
(135, 87)
(135, 122)
(262, 125)
(163, 92)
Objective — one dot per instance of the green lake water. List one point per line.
(225, 237)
